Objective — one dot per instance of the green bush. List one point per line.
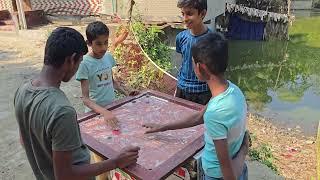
(149, 39)
(264, 155)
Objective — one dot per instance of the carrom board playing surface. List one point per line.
(160, 153)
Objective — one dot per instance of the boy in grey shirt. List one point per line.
(48, 122)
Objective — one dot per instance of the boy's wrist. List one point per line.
(107, 113)
(113, 163)
(116, 43)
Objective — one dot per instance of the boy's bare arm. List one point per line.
(193, 120)
(119, 39)
(87, 101)
(64, 170)
(108, 116)
(224, 159)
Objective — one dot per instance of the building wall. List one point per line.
(215, 8)
(301, 4)
(158, 10)
(167, 10)
(108, 7)
(231, 1)
(68, 7)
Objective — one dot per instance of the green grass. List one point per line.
(263, 154)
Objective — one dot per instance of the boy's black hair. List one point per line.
(63, 42)
(96, 29)
(212, 50)
(200, 5)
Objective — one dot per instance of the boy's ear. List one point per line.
(72, 59)
(203, 13)
(88, 43)
(204, 71)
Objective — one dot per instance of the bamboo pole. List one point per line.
(132, 3)
(22, 16)
(318, 151)
(15, 21)
(289, 7)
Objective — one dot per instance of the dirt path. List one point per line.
(21, 58)
(294, 154)
(16, 66)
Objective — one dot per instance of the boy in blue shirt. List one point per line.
(189, 87)
(224, 117)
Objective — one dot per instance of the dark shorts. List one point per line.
(200, 98)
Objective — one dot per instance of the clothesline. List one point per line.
(252, 12)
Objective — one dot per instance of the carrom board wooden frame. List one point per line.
(137, 171)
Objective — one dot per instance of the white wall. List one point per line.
(215, 8)
(230, 1)
(301, 4)
(167, 10)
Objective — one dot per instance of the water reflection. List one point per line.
(277, 77)
(281, 80)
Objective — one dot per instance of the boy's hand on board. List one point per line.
(154, 128)
(111, 120)
(127, 156)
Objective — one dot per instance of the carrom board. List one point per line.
(160, 153)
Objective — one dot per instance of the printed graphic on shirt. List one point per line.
(104, 77)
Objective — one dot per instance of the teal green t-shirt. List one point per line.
(225, 118)
(99, 74)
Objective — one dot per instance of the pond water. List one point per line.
(281, 80)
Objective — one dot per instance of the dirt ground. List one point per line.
(21, 58)
(294, 154)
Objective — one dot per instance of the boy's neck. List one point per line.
(94, 55)
(199, 30)
(218, 85)
(48, 77)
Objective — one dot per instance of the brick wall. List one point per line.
(6, 5)
(68, 7)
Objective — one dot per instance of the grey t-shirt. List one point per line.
(47, 123)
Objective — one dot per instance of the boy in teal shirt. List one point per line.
(95, 75)
(224, 117)
(95, 72)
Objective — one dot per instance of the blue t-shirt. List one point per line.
(187, 79)
(99, 74)
(225, 118)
